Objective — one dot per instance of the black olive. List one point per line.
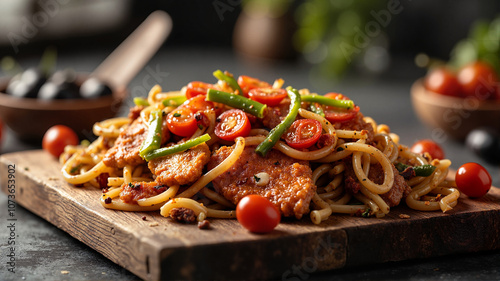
(485, 142)
(28, 84)
(60, 86)
(94, 88)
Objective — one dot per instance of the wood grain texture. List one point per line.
(177, 251)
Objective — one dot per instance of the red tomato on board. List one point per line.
(269, 96)
(303, 133)
(181, 122)
(473, 180)
(257, 214)
(443, 81)
(335, 114)
(429, 146)
(232, 124)
(248, 83)
(479, 79)
(57, 137)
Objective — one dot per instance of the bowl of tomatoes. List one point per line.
(456, 102)
(32, 102)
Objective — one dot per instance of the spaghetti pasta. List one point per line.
(351, 166)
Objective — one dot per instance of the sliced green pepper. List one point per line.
(276, 133)
(316, 108)
(420, 171)
(164, 151)
(229, 80)
(141, 101)
(237, 101)
(347, 104)
(174, 101)
(153, 138)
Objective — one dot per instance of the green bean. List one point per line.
(174, 101)
(164, 151)
(276, 133)
(347, 104)
(237, 101)
(153, 138)
(229, 80)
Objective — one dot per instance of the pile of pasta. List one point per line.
(83, 165)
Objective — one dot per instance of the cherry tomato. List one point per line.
(478, 79)
(429, 146)
(198, 103)
(443, 81)
(473, 180)
(257, 214)
(303, 133)
(335, 114)
(181, 122)
(267, 96)
(196, 88)
(57, 137)
(232, 124)
(247, 83)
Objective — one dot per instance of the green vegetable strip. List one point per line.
(153, 138)
(275, 134)
(141, 101)
(420, 171)
(229, 80)
(164, 151)
(317, 109)
(237, 101)
(348, 104)
(174, 101)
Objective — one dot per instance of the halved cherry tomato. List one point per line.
(267, 96)
(247, 83)
(198, 103)
(181, 122)
(303, 133)
(473, 180)
(434, 149)
(257, 214)
(196, 88)
(335, 114)
(57, 137)
(443, 81)
(232, 124)
(479, 79)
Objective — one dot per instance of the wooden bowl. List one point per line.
(30, 118)
(454, 116)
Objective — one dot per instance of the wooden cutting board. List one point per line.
(157, 248)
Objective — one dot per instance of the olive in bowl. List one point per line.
(29, 118)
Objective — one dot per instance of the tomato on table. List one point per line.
(269, 96)
(336, 114)
(197, 88)
(473, 180)
(232, 124)
(181, 122)
(303, 133)
(429, 146)
(479, 79)
(248, 83)
(443, 81)
(57, 137)
(257, 214)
